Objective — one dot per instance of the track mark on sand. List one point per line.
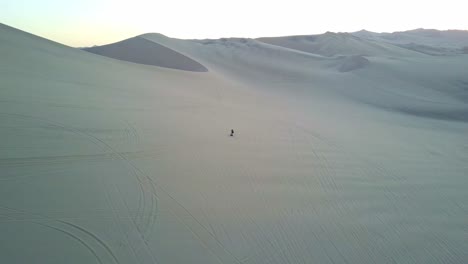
(101, 242)
(49, 223)
(184, 216)
(126, 162)
(69, 234)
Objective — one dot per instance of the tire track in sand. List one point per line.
(200, 232)
(55, 225)
(99, 142)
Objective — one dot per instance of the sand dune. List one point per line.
(337, 157)
(139, 50)
(428, 41)
(399, 84)
(331, 44)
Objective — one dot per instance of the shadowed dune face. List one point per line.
(142, 51)
(454, 115)
(351, 63)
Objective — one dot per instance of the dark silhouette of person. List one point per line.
(232, 132)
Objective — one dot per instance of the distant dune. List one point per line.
(347, 148)
(331, 44)
(428, 41)
(142, 51)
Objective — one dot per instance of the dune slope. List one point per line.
(331, 44)
(139, 50)
(427, 41)
(105, 161)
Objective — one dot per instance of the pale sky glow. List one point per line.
(88, 22)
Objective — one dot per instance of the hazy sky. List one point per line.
(90, 22)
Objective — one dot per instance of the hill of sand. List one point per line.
(142, 51)
(427, 41)
(331, 44)
(337, 156)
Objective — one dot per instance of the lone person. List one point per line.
(232, 132)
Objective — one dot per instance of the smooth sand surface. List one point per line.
(336, 158)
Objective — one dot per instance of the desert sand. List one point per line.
(348, 148)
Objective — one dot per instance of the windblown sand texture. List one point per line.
(348, 148)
